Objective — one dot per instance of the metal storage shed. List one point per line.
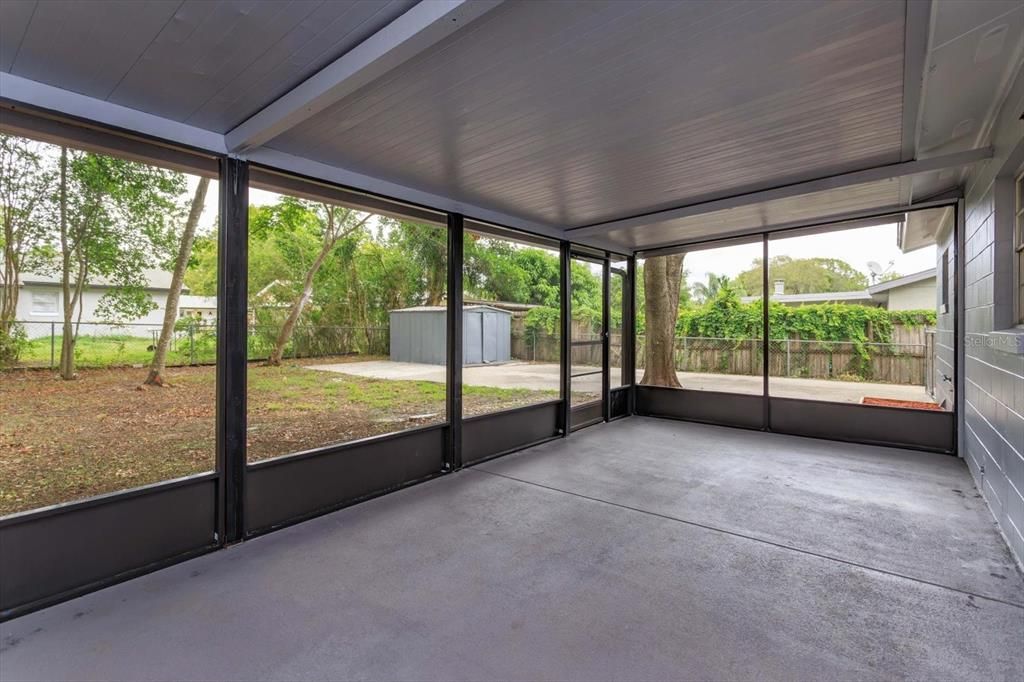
(419, 334)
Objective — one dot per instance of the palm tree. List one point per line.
(704, 292)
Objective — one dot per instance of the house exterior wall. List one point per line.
(992, 435)
(37, 322)
(916, 296)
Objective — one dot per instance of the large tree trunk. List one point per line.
(67, 341)
(11, 283)
(293, 315)
(332, 235)
(662, 278)
(188, 236)
(437, 280)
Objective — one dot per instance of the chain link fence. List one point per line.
(99, 345)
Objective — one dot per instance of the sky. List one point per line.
(856, 247)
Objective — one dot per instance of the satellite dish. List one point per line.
(875, 268)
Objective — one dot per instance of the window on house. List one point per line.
(44, 303)
(1018, 243)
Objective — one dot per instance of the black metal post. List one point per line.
(606, 388)
(629, 333)
(232, 324)
(565, 368)
(456, 233)
(765, 336)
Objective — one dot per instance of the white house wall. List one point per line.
(39, 324)
(917, 296)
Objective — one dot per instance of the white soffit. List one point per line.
(570, 113)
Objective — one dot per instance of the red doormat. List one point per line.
(910, 404)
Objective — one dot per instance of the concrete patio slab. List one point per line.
(478, 576)
(544, 376)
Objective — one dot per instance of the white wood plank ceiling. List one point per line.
(549, 115)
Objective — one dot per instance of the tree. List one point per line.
(427, 246)
(663, 277)
(116, 221)
(26, 176)
(157, 366)
(332, 224)
(707, 291)
(804, 276)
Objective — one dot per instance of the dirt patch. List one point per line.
(908, 404)
(67, 440)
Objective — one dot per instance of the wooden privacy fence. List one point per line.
(896, 363)
(905, 360)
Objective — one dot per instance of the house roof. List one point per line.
(823, 297)
(850, 296)
(158, 280)
(903, 281)
(187, 301)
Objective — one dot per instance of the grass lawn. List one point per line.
(67, 440)
(120, 350)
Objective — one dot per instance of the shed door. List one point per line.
(472, 348)
(490, 338)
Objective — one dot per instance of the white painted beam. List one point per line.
(917, 33)
(889, 172)
(424, 25)
(35, 95)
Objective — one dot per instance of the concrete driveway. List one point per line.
(544, 376)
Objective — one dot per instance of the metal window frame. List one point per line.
(235, 484)
(599, 410)
(938, 432)
(232, 347)
(227, 487)
(456, 244)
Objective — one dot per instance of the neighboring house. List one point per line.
(201, 308)
(910, 292)
(41, 304)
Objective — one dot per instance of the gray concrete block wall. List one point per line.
(993, 429)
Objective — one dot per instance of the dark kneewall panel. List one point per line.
(489, 435)
(727, 409)
(291, 488)
(54, 554)
(586, 415)
(618, 402)
(919, 429)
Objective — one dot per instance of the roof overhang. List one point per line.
(621, 126)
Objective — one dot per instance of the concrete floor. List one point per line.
(541, 376)
(641, 549)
